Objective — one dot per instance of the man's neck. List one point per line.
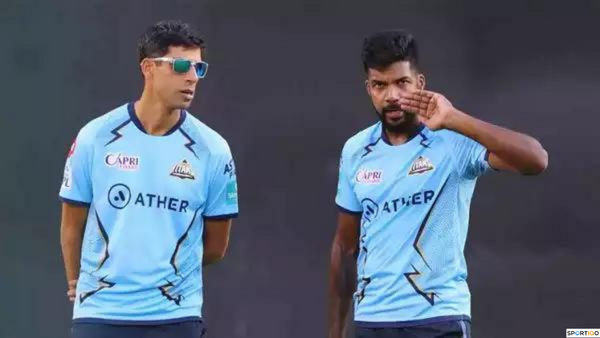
(401, 136)
(155, 117)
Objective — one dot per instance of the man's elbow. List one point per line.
(343, 250)
(215, 255)
(220, 255)
(539, 160)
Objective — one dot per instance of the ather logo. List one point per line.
(120, 196)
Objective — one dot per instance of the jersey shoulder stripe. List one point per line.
(362, 142)
(203, 138)
(104, 127)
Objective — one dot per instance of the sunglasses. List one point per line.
(183, 66)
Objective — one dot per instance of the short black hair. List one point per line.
(381, 49)
(155, 42)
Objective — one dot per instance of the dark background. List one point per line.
(286, 90)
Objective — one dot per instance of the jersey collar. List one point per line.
(138, 123)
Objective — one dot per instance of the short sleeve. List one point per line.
(222, 201)
(345, 198)
(76, 185)
(471, 157)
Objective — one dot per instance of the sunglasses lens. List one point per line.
(201, 69)
(181, 66)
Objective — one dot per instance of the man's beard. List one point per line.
(405, 124)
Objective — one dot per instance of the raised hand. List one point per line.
(433, 109)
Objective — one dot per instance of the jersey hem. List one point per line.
(74, 202)
(92, 320)
(344, 210)
(408, 323)
(220, 217)
(487, 160)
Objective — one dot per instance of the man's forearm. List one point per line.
(71, 239)
(215, 240)
(342, 283)
(522, 152)
(211, 258)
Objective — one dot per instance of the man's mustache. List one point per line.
(391, 107)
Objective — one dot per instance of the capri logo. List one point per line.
(122, 161)
(364, 176)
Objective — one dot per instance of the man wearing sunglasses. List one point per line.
(148, 196)
(405, 188)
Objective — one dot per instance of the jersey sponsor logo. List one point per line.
(183, 170)
(232, 194)
(365, 176)
(122, 161)
(67, 176)
(371, 209)
(421, 165)
(161, 202)
(120, 196)
(418, 198)
(229, 169)
(72, 149)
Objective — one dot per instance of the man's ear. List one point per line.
(421, 82)
(147, 68)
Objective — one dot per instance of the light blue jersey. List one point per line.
(148, 197)
(414, 199)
